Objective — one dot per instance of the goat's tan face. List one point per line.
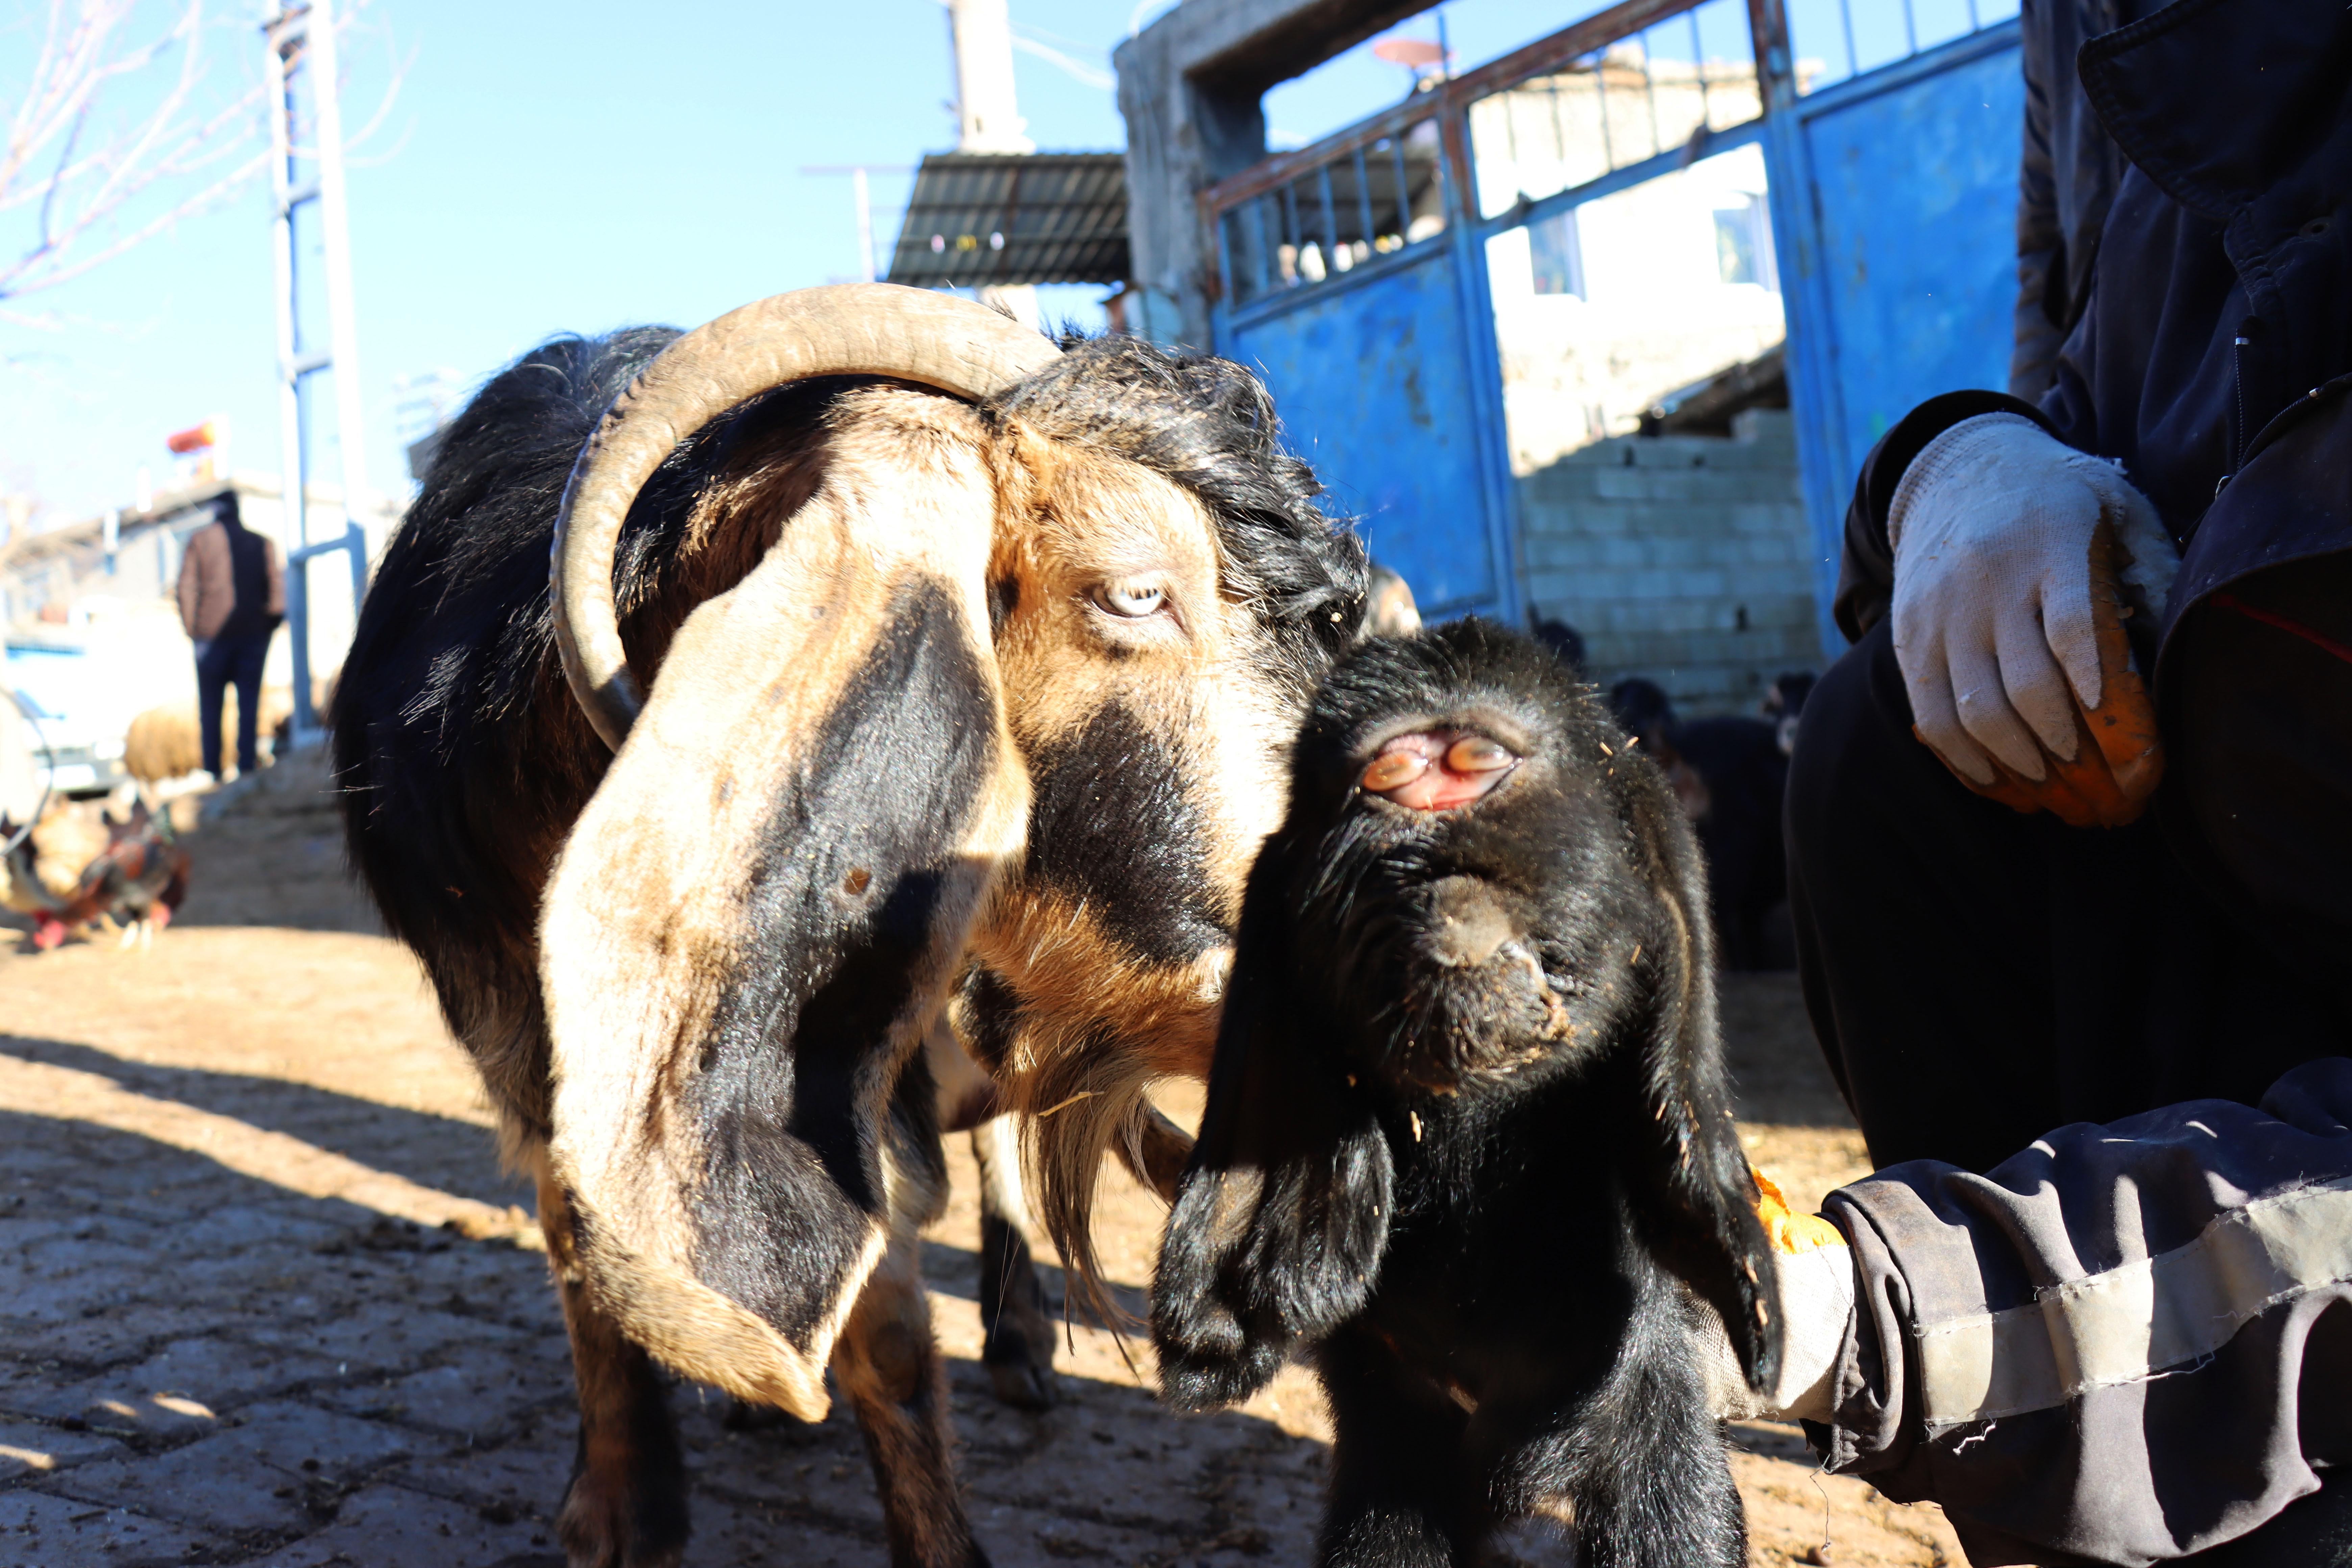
(1139, 694)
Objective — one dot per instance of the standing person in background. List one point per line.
(232, 596)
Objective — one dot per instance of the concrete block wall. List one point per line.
(1683, 558)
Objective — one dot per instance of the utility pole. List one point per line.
(864, 201)
(987, 117)
(301, 54)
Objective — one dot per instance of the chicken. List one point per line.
(138, 882)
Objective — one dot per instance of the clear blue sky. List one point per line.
(565, 167)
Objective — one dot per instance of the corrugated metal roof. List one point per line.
(978, 218)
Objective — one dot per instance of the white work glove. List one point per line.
(2017, 560)
(1813, 1288)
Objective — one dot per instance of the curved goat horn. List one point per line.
(849, 328)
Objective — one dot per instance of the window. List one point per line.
(1557, 255)
(1743, 244)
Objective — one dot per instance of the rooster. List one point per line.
(138, 882)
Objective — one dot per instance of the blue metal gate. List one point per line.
(1348, 288)
(1355, 273)
(1905, 274)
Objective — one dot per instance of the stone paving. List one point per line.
(265, 1299)
(204, 1366)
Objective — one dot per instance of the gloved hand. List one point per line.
(1813, 1289)
(2017, 560)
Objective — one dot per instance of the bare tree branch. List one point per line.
(114, 182)
(211, 196)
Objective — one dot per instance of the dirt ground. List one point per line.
(266, 1297)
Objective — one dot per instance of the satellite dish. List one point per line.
(1415, 53)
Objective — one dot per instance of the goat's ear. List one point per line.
(1283, 1214)
(1694, 1192)
(760, 911)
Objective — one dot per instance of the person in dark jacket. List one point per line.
(2070, 827)
(2071, 169)
(232, 596)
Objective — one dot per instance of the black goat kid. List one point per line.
(1469, 1133)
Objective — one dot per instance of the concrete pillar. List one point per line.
(987, 117)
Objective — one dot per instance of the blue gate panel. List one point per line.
(1375, 388)
(1898, 194)
(1918, 191)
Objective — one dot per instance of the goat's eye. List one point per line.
(1133, 599)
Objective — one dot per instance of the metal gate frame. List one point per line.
(1467, 233)
(1474, 309)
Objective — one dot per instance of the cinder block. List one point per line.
(1552, 550)
(1562, 484)
(1623, 484)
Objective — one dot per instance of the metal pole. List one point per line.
(284, 36)
(355, 540)
(987, 115)
(298, 624)
(861, 192)
(287, 37)
(302, 38)
(334, 222)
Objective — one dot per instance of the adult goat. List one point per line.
(968, 665)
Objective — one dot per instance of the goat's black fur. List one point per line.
(1477, 1190)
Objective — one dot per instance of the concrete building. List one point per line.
(1603, 309)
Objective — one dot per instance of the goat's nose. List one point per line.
(1437, 769)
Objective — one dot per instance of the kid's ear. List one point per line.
(1694, 1192)
(1283, 1214)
